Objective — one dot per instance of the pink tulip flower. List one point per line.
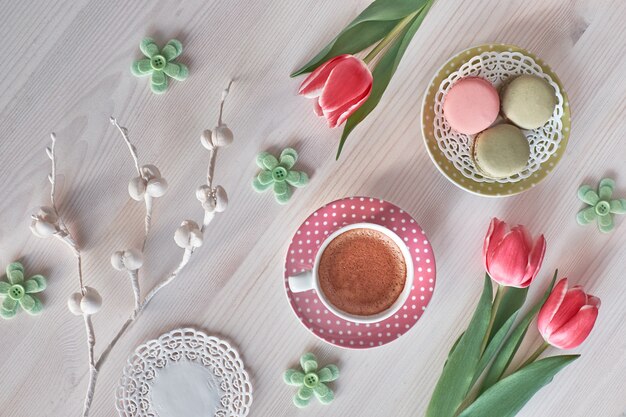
(567, 317)
(511, 257)
(338, 88)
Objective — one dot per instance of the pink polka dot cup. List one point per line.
(309, 280)
(300, 256)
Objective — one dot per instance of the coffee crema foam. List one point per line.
(362, 272)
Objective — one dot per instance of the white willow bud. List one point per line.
(129, 259)
(45, 222)
(43, 229)
(150, 171)
(156, 187)
(222, 136)
(150, 182)
(188, 235)
(117, 260)
(206, 140)
(137, 188)
(91, 301)
(73, 304)
(133, 259)
(221, 199)
(88, 304)
(204, 194)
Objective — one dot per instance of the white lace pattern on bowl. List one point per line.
(184, 372)
(497, 67)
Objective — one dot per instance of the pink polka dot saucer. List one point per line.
(301, 255)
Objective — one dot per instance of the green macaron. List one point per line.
(501, 151)
(528, 101)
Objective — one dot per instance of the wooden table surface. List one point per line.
(66, 69)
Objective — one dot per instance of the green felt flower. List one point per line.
(311, 381)
(17, 292)
(277, 173)
(602, 207)
(160, 64)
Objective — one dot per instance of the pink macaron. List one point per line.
(471, 105)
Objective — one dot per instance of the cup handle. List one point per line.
(301, 282)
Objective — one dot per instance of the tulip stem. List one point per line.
(390, 37)
(535, 355)
(494, 310)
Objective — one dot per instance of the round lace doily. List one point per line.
(452, 151)
(184, 373)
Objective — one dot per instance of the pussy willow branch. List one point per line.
(93, 370)
(134, 275)
(147, 198)
(53, 173)
(63, 234)
(186, 254)
(131, 147)
(134, 282)
(213, 151)
(95, 365)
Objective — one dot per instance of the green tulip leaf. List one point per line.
(350, 41)
(493, 346)
(378, 19)
(458, 374)
(512, 344)
(384, 70)
(509, 395)
(456, 343)
(512, 300)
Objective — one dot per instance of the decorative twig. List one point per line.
(146, 186)
(131, 147)
(139, 185)
(93, 369)
(53, 174)
(47, 221)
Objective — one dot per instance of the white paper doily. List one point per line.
(497, 67)
(184, 373)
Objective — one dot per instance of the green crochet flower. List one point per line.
(278, 173)
(160, 64)
(602, 207)
(311, 381)
(17, 292)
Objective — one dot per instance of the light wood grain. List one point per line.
(66, 69)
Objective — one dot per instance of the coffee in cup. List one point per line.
(362, 273)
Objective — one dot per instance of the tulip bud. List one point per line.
(568, 316)
(511, 258)
(349, 86)
(222, 136)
